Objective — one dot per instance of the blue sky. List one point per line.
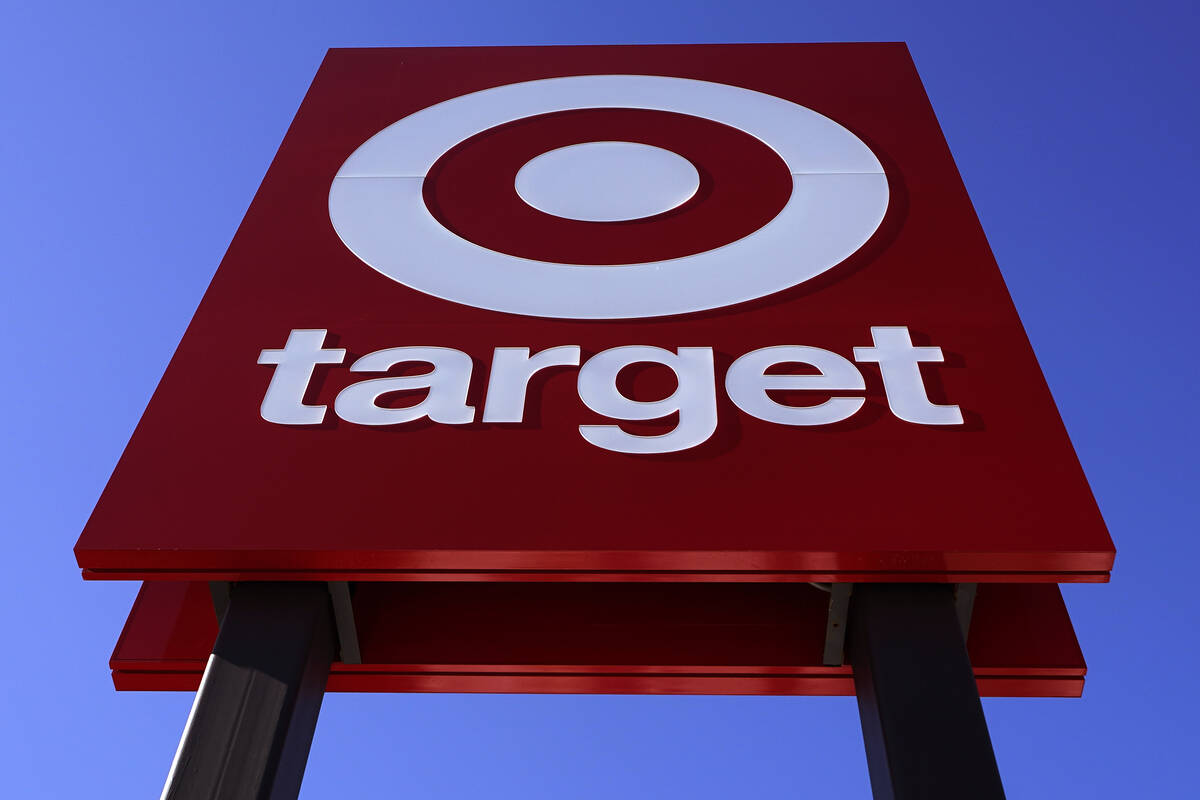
(133, 137)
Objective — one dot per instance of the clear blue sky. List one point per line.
(133, 137)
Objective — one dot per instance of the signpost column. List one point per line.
(923, 724)
(252, 722)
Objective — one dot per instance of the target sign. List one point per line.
(823, 194)
(608, 313)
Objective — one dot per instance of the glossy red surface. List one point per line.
(208, 489)
(605, 638)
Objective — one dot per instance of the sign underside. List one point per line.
(744, 638)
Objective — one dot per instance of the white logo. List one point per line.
(748, 383)
(838, 199)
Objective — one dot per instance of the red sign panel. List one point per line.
(606, 313)
(602, 638)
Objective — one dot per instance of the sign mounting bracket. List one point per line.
(340, 593)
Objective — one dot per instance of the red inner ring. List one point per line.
(743, 184)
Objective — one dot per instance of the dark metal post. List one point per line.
(923, 724)
(252, 722)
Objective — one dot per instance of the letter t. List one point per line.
(294, 365)
(899, 363)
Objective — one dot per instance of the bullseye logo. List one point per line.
(608, 197)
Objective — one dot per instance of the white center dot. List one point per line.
(607, 181)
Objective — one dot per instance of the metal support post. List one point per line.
(253, 718)
(923, 724)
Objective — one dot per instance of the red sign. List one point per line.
(602, 638)
(608, 313)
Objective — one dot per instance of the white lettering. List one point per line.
(446, 386)
(294, 365)
(694, 398)
(447, 383)
(899, 363)
(747, 384)
(512, 369)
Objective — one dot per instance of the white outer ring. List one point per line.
(839, 198)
